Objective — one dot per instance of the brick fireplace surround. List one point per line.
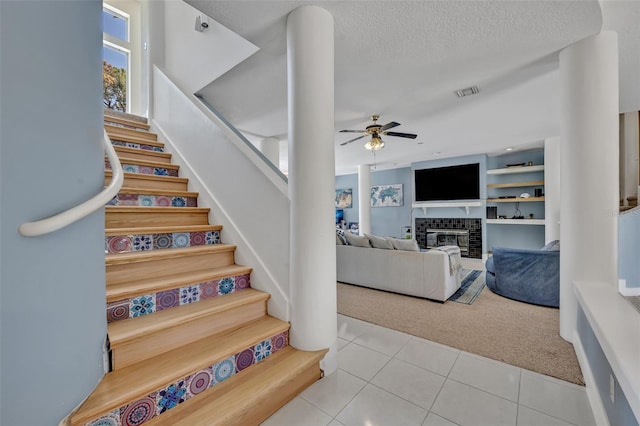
(474, 226)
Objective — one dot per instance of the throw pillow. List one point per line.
(339, 241)
(357, 240)
(406, 245)
(340, 236)
(379, 242)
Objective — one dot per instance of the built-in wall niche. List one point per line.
(463, 232)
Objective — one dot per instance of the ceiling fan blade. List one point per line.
(401, 135)
(352, 131)
(352, 140)
(388, 126)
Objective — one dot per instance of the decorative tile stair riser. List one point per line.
(150, 303)
(116, 142)
(168, 397)
(143, 242)
(152, 201)
(146, 170)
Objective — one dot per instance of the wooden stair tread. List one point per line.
(132, 133)
(129, 329)
(232, 401)
(149, 209)
(155, 164)
(146, 152)
(124, 137)
(161, 229)
(163, 254)
(120, 120)
(148, 191)
(124, 290)
(134, 381)
(143, 176)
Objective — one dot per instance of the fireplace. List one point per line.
(464, 233)
(448, 237)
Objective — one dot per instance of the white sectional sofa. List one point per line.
(415, 273)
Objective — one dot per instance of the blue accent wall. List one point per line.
(629, 247)
(618, 413)
(386, 221)
(52, 310)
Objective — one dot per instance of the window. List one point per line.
(116, 59)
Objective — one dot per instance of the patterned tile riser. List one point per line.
(168, 397)
(143, 242)
(116, 142)
(171, 298)
(152, 201)
(145, 170)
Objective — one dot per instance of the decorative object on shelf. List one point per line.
(516, 165)
(386, 195)
(492, 212)
(531, 216)
(406, 232)
(525, 195)
(517, 214)
(538, 192)
(354, 227)
(344, 198)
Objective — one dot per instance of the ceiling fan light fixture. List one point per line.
(374, 144)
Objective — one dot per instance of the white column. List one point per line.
(310, 58)
(589, 169)
(270, 148)
(364, 198)
(551, 189)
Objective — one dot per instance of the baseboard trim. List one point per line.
(627, 291)
(597, 406)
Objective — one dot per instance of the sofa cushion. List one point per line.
(379, 242)
(357, 240)
(341, 237)
(406, 245)
(552, 246)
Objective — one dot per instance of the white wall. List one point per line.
(52, 310)
(253, 211)
(194, 59)
(629, 155)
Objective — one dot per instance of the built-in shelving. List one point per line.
(515, 200)
(515, 184)
(518, 169)
(515, 221)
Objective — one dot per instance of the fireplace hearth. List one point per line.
(464, 233)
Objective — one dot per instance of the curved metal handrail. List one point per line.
(67, 217)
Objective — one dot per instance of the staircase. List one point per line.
(190, 341)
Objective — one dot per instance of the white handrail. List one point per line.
(67, 217)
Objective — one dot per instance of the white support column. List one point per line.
(364, 198)
(551, 189)
(270, 147)
(589, 172)
(310, 59)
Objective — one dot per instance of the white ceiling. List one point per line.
(404, 59)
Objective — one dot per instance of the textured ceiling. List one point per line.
(404, 59)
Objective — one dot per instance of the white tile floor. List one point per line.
(390, 378)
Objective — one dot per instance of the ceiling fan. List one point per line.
(376, 131)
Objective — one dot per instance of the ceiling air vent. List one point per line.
(468, 91)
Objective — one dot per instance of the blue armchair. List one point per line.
(531, 276)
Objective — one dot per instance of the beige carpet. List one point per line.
(516, 333)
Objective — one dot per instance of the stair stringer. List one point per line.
(246, 198)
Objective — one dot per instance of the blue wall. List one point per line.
(52, 311)
(629, 247)
(387, 221)
(619, 413)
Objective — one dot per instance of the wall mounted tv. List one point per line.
(448, 183)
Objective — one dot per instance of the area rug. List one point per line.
(495, 327)
(472, 283)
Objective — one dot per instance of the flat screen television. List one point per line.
(448, 183)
